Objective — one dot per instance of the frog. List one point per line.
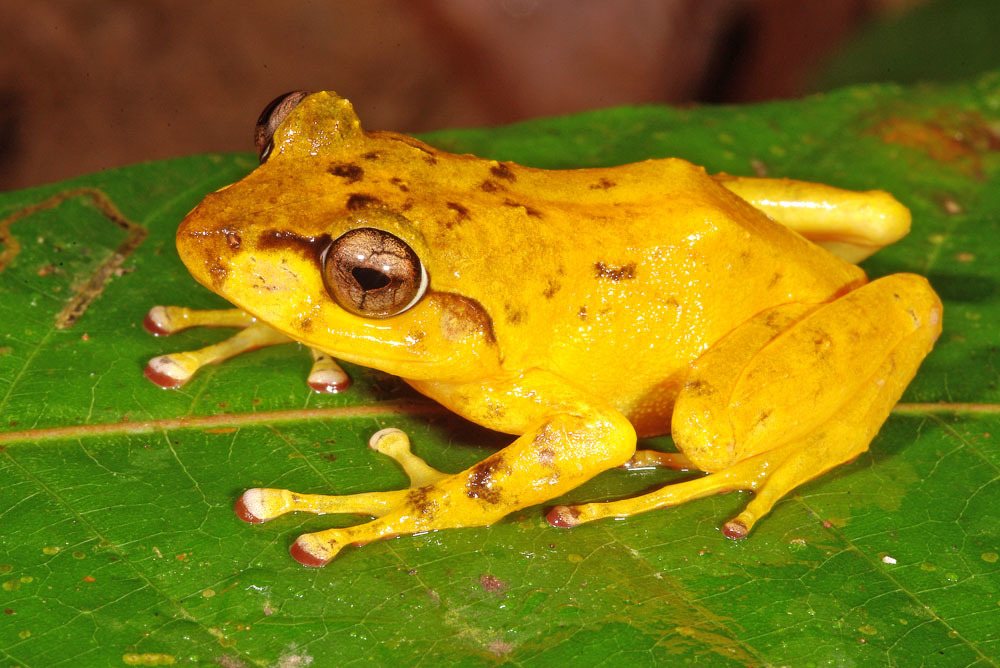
(576, 310)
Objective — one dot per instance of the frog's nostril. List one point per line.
(370, 279)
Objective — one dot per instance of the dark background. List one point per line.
(92, 84)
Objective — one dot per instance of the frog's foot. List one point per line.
(850, 224)
(263, 504)
(175, 369)
(789, 395)
(555, 455)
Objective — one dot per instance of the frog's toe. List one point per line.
(157, 322)
(326, 376)
(310, 552)
(259, 505)
(170, 371)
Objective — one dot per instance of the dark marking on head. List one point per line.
(481, 484)
(489, 186)
(399, 183)
(502, 171)
(430, 159)
(534, 213)
(462, 316)
(305, 324)
(553, 287)
(351, 172)
(311, 247)
(233, 239)
(615, 274)
(359, 201)
(603, 184)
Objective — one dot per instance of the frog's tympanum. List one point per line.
(575, 310)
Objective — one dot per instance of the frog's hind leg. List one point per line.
(790, 395)
(850, 224)
(175, 369)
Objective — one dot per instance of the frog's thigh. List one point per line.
(849, 224)
(767, 412)
(554, 456)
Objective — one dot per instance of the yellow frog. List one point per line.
(574, 309)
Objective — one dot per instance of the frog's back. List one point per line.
(619, 278)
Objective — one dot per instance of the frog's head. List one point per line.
(292, 246)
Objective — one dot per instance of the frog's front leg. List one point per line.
(175, 369)
(792, 393)
(554, 455)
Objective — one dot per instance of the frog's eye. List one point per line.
(373, 273)
(276, 111)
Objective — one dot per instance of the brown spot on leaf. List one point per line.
(351, 172)
(491, 583)
(952, 137)
(613, 273)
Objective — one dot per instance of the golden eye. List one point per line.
(274, 113)
(373, 273)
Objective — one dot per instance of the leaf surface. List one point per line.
(118, 545)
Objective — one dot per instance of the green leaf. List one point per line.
(118, 545)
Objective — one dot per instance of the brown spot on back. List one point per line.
(775, 279)
(582, 313)
(399, 183)
(615, 274)
(502, 171)
(233, 239)
(371, 155)
(553, 287)
(489, 186)
(351, 172)
(361, 201)
(463, 213)
(534, 213)
(602, 184)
